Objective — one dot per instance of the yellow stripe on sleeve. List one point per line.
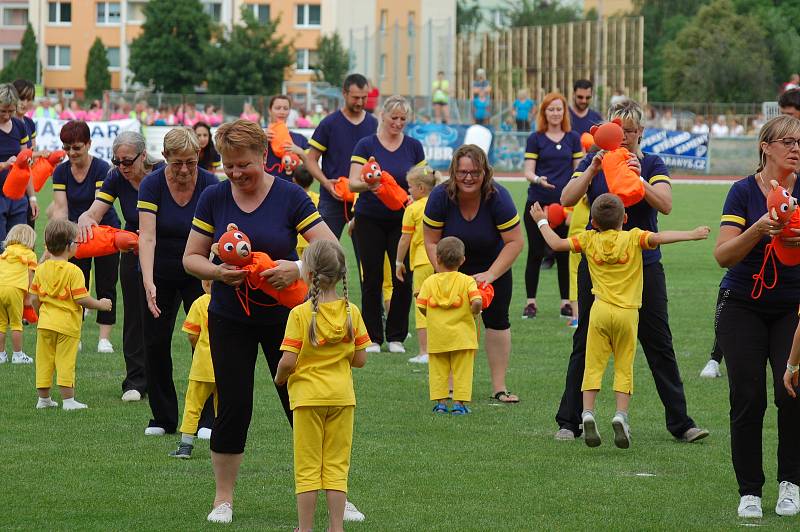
(104, 196)
(147, 206)
(659, 179)
(24, 140)
(317, 145)
(533, 156)
(511, 223)
(59, 186)
(432, 223)
(732, 218)
(311, 218)
(200, 224)
(357, 159)
(578, 155)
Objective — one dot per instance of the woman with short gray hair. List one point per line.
(13, 138)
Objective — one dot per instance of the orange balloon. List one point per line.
(587, 141)
(608, 136)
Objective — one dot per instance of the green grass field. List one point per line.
(497, 469)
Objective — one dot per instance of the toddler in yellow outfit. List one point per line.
(17, 264)
(614, 257)
(421, 181)
(325, 337)
(60, 295)
(450, 301)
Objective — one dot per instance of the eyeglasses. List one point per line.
(190, 165)
(74, 147)
(787, 142)
(125, 162)
(462, 174)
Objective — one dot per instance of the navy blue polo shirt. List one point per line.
(744, 206)
(80, 196)
(173, 222)
(272, 228)
(336, 137)
(16, 140)
(554, 160)
(116, 186)
(274, 162)
(583, 125)
(640, 215)
(397, 163)
(30, 127)
(482, 236)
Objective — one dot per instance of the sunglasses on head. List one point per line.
(125, 162)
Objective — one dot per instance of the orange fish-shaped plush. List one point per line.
(107, 240)
(280, 138)
(43, 168)
(621, 179)
(388, 192)
(782, 208)
(19, 175)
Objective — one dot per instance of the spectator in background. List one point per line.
(141, 112)
(249, 113)
(213, 116)
(720, 127)
(481, 85)
(793, 83)
(188, 115)
(319, 114)
(580, 116)
(481, 108)
(95, 111)
(523, 107)
(45, 109)
(758, 123)
(668, 121)
(208, 159)
(373, 95)
(700, 127)
(302, 121)
(73, 112)
(736, 129)
(619, 96)
(440, 95)
(789, 103)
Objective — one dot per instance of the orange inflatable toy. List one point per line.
(234, 248)
(587, 141)
(556, 215)
(43, 168)
(107, 240)
(19, 175)
(290, 162)
(29, 314)
(280, 138)
(487, 294)
(621, 179)
(389, 192)
(782, 208)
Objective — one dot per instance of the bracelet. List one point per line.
(542, 222)
(792, 369)
(32, 198)
(299, 264)
(536, 179)
(398, 263)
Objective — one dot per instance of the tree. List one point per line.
(252, 60)
(172, 51)
(522, 13)
(24, 65)
(468, 16)
(720, 56)
(98, 78)
(333, 60)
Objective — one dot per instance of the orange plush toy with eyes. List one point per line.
(19, 175)
(43, 168)
(280, 138)
(107, 240)
(782, 208)
(389, 192)
(290, 161)
(621, 179)
(234, 248)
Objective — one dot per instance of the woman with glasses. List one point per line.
(75, 182)
(13, 138)
(474, 208)
(167, 201)
(131, 163)
(755, 331)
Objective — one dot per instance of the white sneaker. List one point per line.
(154, 431)
(396, 347)
(104, 346)
(46, 402)
(72, 404)
(622, 432)
(590, 433)
(711, 371)
(422, 358)
(221, 514)
(131, 395)
(204, 434)
(351, 513)
(750, 507)
(788, 499)
(21, 358)
(3, 357)
(373, 348)
(565, 435)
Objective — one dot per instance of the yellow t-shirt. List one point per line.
(302, 243)
(15, 263)
(412, 225)
(197, 323)
(446, 297)
(615, 263)
(323, 376)
(59, 284)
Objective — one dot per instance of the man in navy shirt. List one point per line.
(581, 117)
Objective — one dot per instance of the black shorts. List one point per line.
(496, 316)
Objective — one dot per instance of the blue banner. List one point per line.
(438, 140)
(678, 149)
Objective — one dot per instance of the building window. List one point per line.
(15, 17)
(411, 18)
(306, 60)
(59, 12)
(9, 54)
(309, 15)
(261, 13)
(410, 66)
(58, 57)
(384, 20)
(108, 13)
(136, 11)
(214, 10)
(382, 67)
(112, 54)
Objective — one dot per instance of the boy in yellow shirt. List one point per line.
(202, 384)
(450, 300)
(60, 295)
(614, 257)
(17, 264)
(303, 178)
(421, 181)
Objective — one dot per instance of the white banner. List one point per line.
(102, 134)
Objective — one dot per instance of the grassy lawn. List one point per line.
(497, 469)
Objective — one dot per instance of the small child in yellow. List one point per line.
(614, 257)
(450, 301)
(17, 264)
(202, 384)
(304, 179)
(325, 337)
(60, 295)
(421, 181)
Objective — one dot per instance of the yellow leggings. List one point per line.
(55, 352)
(440, 365)
(197, 394)
(612, 329)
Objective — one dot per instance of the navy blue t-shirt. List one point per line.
(173, 222)
(640, 215)
(554, 160)
(397, 163)
(583, 125)
(743, 207)
(30, 127)
(482, 235)
(14, 141)
(80, 196)
(272, 228)
(336, 137)
(116, 186)
(274, 162)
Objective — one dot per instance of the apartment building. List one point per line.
(13, 20)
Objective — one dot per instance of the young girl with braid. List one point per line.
(325, 337)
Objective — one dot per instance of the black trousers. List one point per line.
(106, 273)
(656, 339)
(234, 349)
(132, 338)
(536, 252)
(158, 347)
(752, 334)
(376, 238)
(716, 350)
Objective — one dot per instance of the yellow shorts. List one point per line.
(11, 299)
(612, 329)
(197, 394)
(440, 365)
(55, 352)
(323, 437)
(420, 273)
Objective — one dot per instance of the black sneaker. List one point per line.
(184, 451)
(529, 311)
(566, 311)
